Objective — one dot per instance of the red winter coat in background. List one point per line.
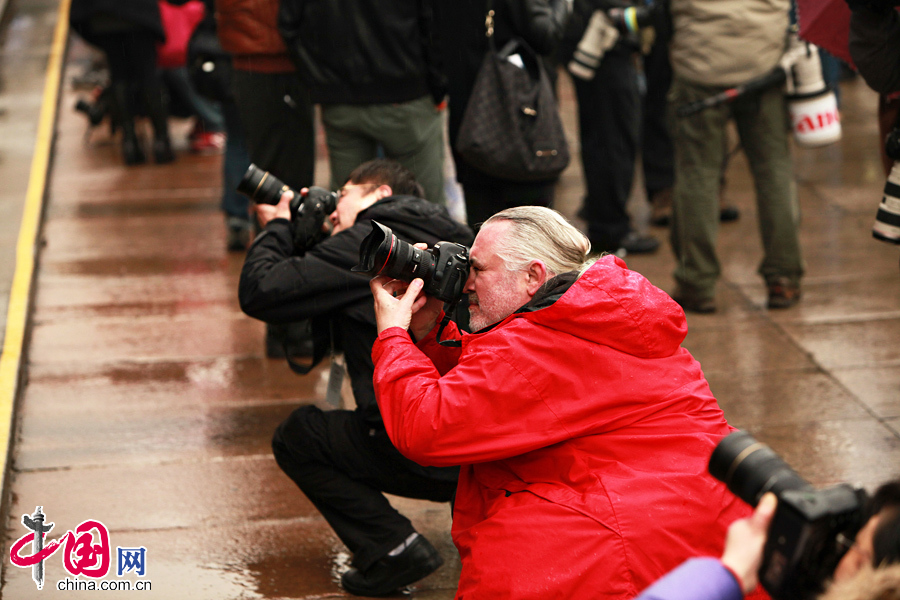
(584, 430)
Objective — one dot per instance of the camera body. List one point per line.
(604, 28)
(444, 268)
(808, 534)
(308, 212)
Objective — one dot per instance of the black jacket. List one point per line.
(363, 51)
(277, 286)
(142, 14)
(875, 45)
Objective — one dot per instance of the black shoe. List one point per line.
(162, 151)
(394, 572)
(694, 304)
(636, 243)
(132, 153)
(238, 234)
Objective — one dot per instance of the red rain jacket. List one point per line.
(583, 429)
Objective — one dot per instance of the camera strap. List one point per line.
(449, 307)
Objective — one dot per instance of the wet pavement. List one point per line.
(149, 404)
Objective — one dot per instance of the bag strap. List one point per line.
(489, 23)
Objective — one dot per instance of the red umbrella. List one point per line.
(826, 23)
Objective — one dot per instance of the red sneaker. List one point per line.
(207, 141)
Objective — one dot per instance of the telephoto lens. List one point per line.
(806, 538)
(443, 268)
(750, 468)
(262, 187)
(383, 253)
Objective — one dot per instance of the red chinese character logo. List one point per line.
(90, 560)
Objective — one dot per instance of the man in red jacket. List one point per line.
(582, 426)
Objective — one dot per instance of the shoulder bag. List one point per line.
(511, 128)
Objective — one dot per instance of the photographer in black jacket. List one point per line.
(341, 459)
(875, 43)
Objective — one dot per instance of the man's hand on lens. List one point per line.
(396, 301)
(282, 210)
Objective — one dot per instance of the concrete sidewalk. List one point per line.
(149, 404)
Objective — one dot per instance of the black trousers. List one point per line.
(489, 196)
(277, 118)
(657, 153)
(343, 468)
(609, 117)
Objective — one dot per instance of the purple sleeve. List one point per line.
(695, 579)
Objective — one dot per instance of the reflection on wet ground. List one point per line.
(149, 404)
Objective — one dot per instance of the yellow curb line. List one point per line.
(26, 247)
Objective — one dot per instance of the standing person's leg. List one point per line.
(349, 145)
(488, 196)
(608, 119)
(657, 154)
(483, 200)
(152, 93)
(117, 48)
(762, 123)
(412, 133)
(278, 124)
(236, 206)
(697, 141)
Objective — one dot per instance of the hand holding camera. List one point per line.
(744, 543)
(307, 210)
(806, 538)
(442, 269)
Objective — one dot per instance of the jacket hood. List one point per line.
(417, 220)
(613, 306)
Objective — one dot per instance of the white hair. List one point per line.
(540, 233)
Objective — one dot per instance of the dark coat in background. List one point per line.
(875, 47)
(141, 14)
(364, 51)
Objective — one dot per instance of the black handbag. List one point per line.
(511, 128)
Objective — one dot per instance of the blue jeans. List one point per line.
(234, 164)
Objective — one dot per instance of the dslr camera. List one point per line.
(811, 529)
(603, 30)
(308, 212)
(444, 268)
(887, 219)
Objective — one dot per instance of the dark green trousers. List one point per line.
(763, 127)
(412, 133)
